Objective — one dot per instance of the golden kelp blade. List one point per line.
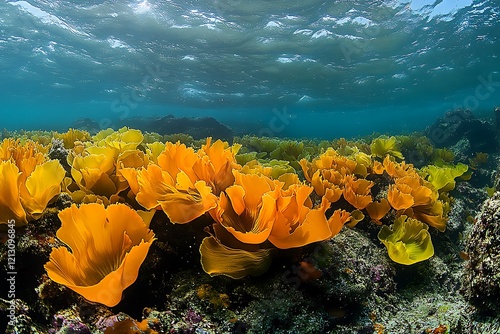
(10, 201)
(108, 245)
(218, 259)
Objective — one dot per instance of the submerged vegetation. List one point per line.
(249, 204)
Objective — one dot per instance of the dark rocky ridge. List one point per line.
(198, 128)
(461, 125)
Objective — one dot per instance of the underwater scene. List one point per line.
(229, 166)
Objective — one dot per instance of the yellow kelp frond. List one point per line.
(255, 167)
(151, 137)
(131, 159)
(297, 225)
(442, 156)
(377, 210)
(259, 144)
(407, 241)
(21, 153)
(356, 217)
(443, 178)
(215, 164)
(432, 214)
(363, 162)
(176, 158)
(42, 186)
(180, 199)
(153, 150)
(396, 170)
(273, 169)
(289, 179)
(10, 201)
(279, 167)
(39, 136)
(218, 259)
(26, 191)
(92, 171)
(244, 158)
(71, 136)
(357, 192)
(247, 209)
(124, 139)
(291, 151)
(383, 145)
(107, 248)
(184, 138)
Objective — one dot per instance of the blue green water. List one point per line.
(286, 68)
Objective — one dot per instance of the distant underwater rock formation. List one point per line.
(86, 124)
(461, 125)
(196, 127)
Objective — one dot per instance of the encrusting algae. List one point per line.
(257, 209)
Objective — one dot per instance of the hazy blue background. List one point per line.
(287, 68)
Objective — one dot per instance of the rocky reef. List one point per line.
(481, 283)
(262, 236)
(461, 127)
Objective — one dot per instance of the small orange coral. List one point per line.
(108, 245)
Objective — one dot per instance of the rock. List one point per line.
(58, 152)
(198, 128)
(459, 125)
(481, 281)
(350, 279)
(86, 124)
